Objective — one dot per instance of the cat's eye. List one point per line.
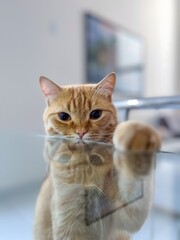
(95, 160)
(63, 116)
(95, 114)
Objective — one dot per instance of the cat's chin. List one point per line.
(76, 139)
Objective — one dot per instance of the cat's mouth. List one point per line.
(86, 139)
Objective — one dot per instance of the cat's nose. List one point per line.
(80, 133)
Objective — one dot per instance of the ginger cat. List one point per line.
(86, 112)
(82, 111)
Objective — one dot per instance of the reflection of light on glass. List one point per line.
(133, 102)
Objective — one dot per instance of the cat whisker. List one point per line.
(99, 134)
(70, 136)
(89, 135)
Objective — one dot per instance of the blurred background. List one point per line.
(50, 38)
(74, 42)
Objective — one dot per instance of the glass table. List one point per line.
(93, 190)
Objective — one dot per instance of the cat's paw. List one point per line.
(136, 136)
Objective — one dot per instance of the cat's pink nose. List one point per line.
(81, 133)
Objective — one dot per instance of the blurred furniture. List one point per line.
(125, 106)
(168, 165)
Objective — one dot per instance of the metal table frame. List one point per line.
(125, 106)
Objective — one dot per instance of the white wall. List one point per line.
(177, 19)
(22, 161)
(46, 38)
(160, 33)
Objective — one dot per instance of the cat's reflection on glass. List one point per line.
(93, 191)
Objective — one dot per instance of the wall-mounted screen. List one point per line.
(113, 48)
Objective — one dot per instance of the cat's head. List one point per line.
(80, 111)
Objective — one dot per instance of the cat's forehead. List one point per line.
(80, 96)
(79, 99)
(79, 91)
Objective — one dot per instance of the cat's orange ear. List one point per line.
(106, 86)
(49, 88)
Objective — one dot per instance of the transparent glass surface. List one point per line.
(86, 190)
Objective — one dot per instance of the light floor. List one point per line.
(17, 213)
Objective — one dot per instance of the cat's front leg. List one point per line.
(136, 136)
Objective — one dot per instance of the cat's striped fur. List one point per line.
(83, 112)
